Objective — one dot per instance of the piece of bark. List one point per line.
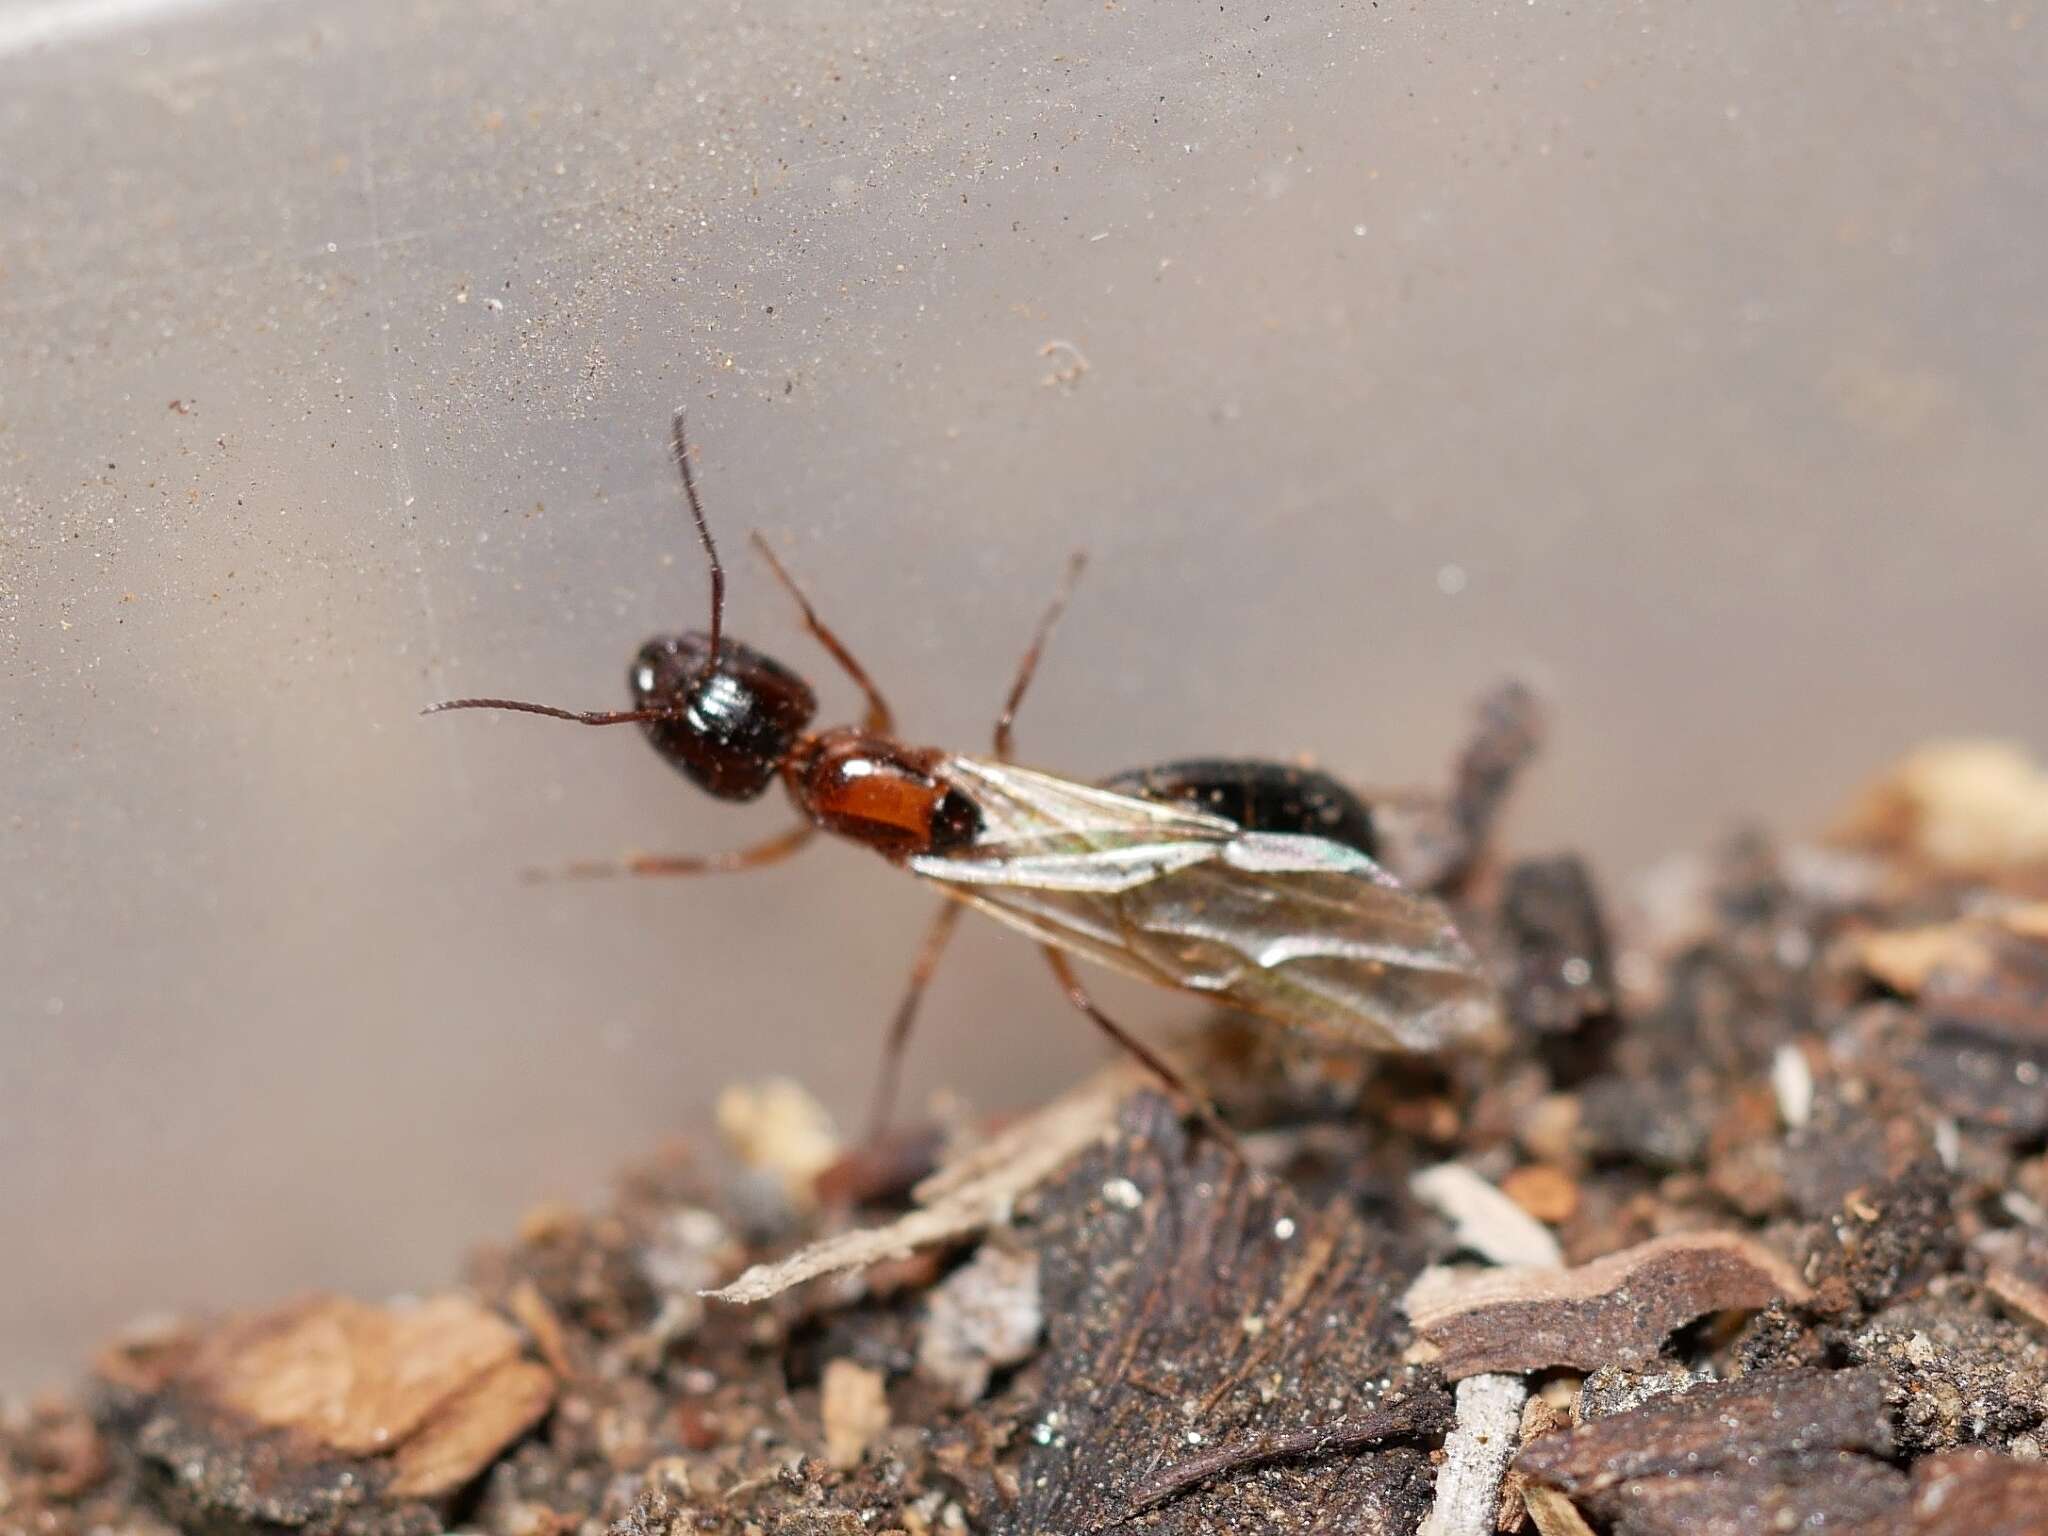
(1617, 1310)
(328, 1414)
(1887, 1240)
(1798, 1450)
(1189, 1306)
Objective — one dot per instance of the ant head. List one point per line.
(724, 719)
(719, 712)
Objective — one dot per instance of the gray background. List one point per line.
(1687, 358)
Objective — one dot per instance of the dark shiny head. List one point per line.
(719, 711)
(728, 728)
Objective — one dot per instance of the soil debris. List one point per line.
(982, 1317)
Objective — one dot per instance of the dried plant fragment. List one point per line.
(1553, 1514)
(978, 1192)
(1615, 1310)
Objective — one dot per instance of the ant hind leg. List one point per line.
(941, 930)
(1150, 1059)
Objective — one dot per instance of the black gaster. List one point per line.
(1258, 796)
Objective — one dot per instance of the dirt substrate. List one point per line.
(1748, 1233)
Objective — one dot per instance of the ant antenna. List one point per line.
(631, 716)
(580, 716)
(682, 451)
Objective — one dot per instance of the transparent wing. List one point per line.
(1297, 929)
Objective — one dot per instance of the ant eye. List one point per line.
(643, 679)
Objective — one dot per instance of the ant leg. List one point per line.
(1150, 1059)
(1076, 563)
(879, 722)
(770, 851)
(906, 1014)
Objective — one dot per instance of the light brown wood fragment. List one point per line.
(855, 1409)
(539, 1320)
(1549, 1194)
(1959, 805)
(467, 1431)
(429, 1393)
(1553, 1513)
(2022, 1293)
(357, 1378)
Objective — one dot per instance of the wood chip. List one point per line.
(1553, 1514)
(1617, 1310)
(1484, 1219)
(2025, 1294)
(1549, 1194)
(526, 1303)
(778, 1127)
(353, 1378)
(468, 1430)
(1476, 1456)
(1958, 805)
(854, 1403)
(966, 1197)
